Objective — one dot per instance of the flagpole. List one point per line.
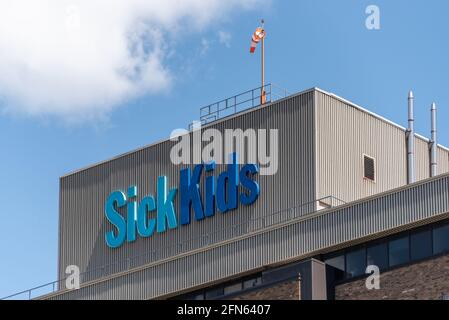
(262, 90)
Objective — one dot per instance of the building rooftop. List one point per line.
(254, 108)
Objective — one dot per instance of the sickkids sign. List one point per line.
(157, 213)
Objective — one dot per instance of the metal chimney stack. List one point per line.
(410, 140)
(433, 141)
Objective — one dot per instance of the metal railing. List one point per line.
(242, 101)
(214, 237)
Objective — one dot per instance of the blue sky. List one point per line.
(309, 43)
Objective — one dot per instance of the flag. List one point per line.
(258, 35)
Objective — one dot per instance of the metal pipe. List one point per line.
(433, 141)
(263, 63)
(262, 94)
(410, 140)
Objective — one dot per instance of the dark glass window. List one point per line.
(378, 255)
(441, 239)
(421, 245)
(233, 288)
(369, 168)
(338, 264)
(390, 252)
(356, 263)
(252, 282)
(214, 293)
(198, 296)
(398, 251)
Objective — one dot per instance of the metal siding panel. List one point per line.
(83, 194)
(422, 161)
(344, 133)
(443, 161)
(347, 223)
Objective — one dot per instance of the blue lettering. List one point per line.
(131, 215)
(209, 206)
(227, 187)
(190, 194)
(146, 205)
(221, 193)
(251, 185)
(115, 219)
(165, 207)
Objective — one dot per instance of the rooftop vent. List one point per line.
(369, 168)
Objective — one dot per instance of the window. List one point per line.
(421, 245)
(356, 263)
(198, 296)
(369, 168)
(389, 252)
(214, 293)
(337, 262)
(252, 283)
(378, 255)
(233, 288)
(441, 239)
(398, 251)
(338, 265)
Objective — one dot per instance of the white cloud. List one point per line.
(80, 59)
(224, 38)
(205, 46)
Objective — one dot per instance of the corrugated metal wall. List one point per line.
(443, 161)
(345, 133)
(422, 163)
(423, 160)
(83, 194)
(333, 151)
(296, 239)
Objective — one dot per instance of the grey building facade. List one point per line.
(319, 201)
